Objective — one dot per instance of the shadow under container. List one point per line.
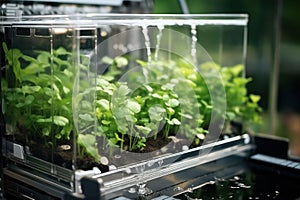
(86, 94)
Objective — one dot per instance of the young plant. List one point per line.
(37, 93)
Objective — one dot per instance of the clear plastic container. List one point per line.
(110, 91)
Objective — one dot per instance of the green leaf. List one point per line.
(60, 120)
(254, 98)
(30, 89)
(29, 59)
(236, 70)
(107, 60)
(86, 117)
(172, 103)
(46, 131)
(156, 113)
(68, 73)
(142, 63)
(19, 105)
(133, 106)
(118, 138)
(5, 48)
(149, 88)
(241, 81)
(186, 116)
(230, 115)
(121, 62)
(61, 51)
(66, 90)
(105, 122)
(32, 69)
(170, 122)
(122, 91)
(47, 120)
(176, 121)
(103, 103)
(43, 58)
(170, 111)
(168, 86)
(156, 95)
(29, 99)
(145, 130)
(88, 142)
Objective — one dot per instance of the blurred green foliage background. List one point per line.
(283, 119)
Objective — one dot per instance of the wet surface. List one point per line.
(253, 183)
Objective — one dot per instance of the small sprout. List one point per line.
(170, 111)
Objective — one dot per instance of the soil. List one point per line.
(154, 147)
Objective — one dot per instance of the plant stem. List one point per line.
(130, 137)
(167, 129)
(130, 142)
(122, 142)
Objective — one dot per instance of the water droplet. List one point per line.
(193, 45)
(147, 42)
(65, 147)
(112, 167)
(194, 39)
(158, 39)
(117, 156)
(190, 190)
(128, 170)
(160, 162)
(104, 160)
(132, 190)
(178, 189)
(115, 46)
(185, 148)
(130, 47)
(242, 185)
(150, 163)
(164, 149)
(143, 190)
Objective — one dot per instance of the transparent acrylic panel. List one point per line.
(110, 91)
